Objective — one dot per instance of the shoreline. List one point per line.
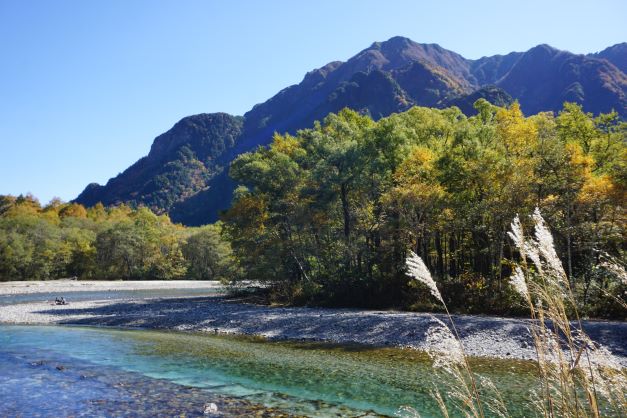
(67, 285)
(482, 336)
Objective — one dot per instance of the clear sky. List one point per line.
(85, 86)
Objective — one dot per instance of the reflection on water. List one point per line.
(299, 378)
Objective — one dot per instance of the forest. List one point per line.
(62, 240)
(327, 216)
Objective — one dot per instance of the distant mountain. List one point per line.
(543, 78)
(616, 54)
(185, 173)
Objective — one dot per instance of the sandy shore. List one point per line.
(481, 335)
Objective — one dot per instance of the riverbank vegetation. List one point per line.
(577, 377)
(326, 216)
(62, 240)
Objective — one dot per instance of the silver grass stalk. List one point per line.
(574, 370)
(528, 248)
(417, 269)
(444, 349)
(546, 248)
(531, 251)
(494, 400)
(447, 352)
(518, 282)
(517, 235)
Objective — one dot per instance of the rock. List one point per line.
(210, 408)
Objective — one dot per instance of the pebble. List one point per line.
(481, 335)
(210, 408)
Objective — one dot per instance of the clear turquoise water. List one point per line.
(299, 378)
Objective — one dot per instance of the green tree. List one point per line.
(209, 255)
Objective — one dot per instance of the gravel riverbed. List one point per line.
(65, 286)
(482, 336)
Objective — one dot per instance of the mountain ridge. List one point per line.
(616, 54)
(185, 172)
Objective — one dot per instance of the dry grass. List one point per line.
(578, 378)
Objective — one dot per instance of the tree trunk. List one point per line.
(568, 245)
(345, 210)
(438, 248)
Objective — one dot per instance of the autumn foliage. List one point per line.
(327, 215)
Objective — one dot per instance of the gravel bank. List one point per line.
(65, 286)
(481, 336)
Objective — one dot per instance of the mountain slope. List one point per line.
(184, 174)
(543, 78)
(492, 94)
(179, 164)
(616, 54)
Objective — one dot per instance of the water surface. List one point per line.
(180, 372)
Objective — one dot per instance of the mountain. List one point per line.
(185, 173)
(543, 78)
(492, 94)
(178, 166)
(616, 54)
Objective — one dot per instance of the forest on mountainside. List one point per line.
(327, 216)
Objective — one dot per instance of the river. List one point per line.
(78, 371)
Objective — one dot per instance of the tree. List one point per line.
(209, 256)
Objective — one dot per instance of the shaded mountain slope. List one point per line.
(488, 70)
(616, 54)
(178, 166)
(492, 94)
(544, 78)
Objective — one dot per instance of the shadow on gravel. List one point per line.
(381, 328)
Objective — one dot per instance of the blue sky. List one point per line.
(85, 86)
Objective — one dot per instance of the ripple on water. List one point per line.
(115, 372)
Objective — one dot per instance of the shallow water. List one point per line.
(107, 372)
